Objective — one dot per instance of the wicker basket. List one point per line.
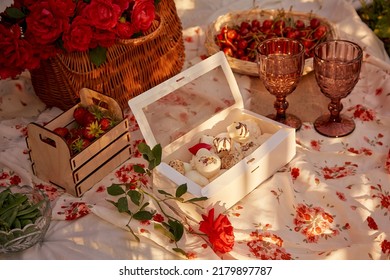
(132, 66)
(236, 17)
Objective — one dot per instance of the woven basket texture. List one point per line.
(132, 66)
(236, 17)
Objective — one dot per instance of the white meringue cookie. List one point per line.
(208, 165)
(222, 143)
(238, 131)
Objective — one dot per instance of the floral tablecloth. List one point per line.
(332, 201)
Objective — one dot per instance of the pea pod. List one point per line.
(34, 214)
(18, 201)
(12, 217)
(25, 222)
(30, 209)
(17, 223)
(3, 197)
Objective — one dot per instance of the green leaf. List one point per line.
(196, 199)
(157, 154)
(15, 13)
(135, 196)
(122, 205)
(143, 215)
(144, 206)
(164, 193)
(98, 55)
(164, 231)
(115, 189)
(181, 251)
(177, 229)
(182, 189)
(139, 169)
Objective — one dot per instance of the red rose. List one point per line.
(102, 14)
(78, 37)
(219, 231)
(103, 38)
(125, 30)
(17, 54)
(123, 4)
(143, 14)
(45, 25)
(63, 7)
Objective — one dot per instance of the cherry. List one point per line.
(314, 23)
(267, 24)
(299, 24)
(320, 32)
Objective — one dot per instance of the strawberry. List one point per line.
(79, 144)
(79, 114)
(105, 124)
(61, 131)
(88, 119)
(96, 111)
(92, 131)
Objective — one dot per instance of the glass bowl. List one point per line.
(24, 225)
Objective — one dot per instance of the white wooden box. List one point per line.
(206, 99)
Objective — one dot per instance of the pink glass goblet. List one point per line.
(337, 65)
(280, 62)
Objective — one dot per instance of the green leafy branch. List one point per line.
(135, 198)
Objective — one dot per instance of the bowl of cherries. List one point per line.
(239, 33)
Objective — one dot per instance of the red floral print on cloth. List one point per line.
(376, 141)
(127, 175)
(371, 223)
(9, 178)
(383, 196)
(385, 246)
(75, 210)
(362, 113)
(316, 144)
(51, 191)
(267, 246)
(335, 172)
(294, 173)
(387, 163)
(313, 222)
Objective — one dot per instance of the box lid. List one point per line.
(179, 105)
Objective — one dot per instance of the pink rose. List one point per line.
(143, 14)
(102, 14)
(44, 24)
(78, 37)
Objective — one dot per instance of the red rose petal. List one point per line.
(194, 149)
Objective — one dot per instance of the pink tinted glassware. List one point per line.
(280, 63)
(337, 65)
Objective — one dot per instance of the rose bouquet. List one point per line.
(36, 30)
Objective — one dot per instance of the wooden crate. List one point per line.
(53, 161)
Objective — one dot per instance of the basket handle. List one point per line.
(104, 102)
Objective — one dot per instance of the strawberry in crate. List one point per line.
(90, 123)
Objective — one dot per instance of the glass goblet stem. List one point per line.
(335, 107)
(281, 105)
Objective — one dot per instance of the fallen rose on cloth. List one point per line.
(219, 231)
